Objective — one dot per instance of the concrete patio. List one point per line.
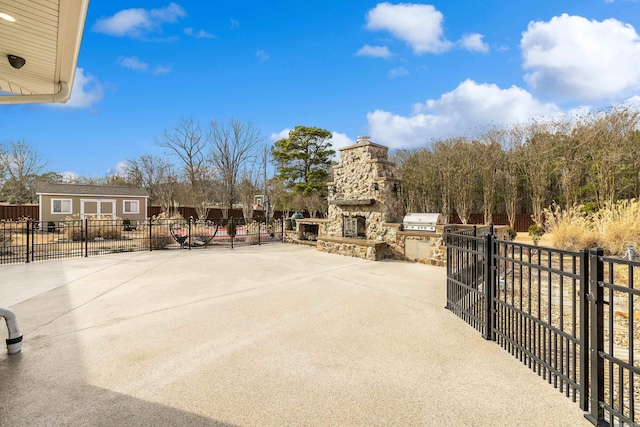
(278, 335)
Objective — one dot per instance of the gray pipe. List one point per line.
(14, 342)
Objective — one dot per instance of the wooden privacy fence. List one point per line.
(523, 221)
(16, 213)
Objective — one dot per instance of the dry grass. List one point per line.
(614, 227)
(99, 227)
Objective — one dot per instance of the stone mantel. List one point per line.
(359, 202)
(313, 221)
(386, 178)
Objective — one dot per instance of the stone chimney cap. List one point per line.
(362, 138)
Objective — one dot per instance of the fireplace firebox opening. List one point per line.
(354, 227)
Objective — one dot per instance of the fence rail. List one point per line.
(27, 241)
(569, 316)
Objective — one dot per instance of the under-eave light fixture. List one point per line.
(7, 17)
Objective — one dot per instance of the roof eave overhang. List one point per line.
(71, 21)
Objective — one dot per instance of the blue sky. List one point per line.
(403, 73)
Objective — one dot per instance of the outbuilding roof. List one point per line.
(89, 190)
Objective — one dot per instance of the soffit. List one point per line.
(47, 34)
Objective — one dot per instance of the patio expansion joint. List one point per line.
(94, 298)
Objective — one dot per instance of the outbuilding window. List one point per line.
(131, 207)
(61, 206)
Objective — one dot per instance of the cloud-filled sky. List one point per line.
(403, 73)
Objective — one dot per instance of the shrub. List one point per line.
(536, 232)
(252, 233)
(619, 225)
(613, 227)
(512, 233)
(98, 226)
(589, 207)
(570, 229)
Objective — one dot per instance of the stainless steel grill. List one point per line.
(422, 221)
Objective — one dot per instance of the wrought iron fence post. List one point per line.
(233, 227)
(86, 237)
(596, 342)
(150, 235)
(282, 228)
(33, 240)
(189, 222)
(258, 231)
(28, 243)
(584, 329)
(447, 237)
(490, 287)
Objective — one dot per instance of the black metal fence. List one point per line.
(27, 241)
(569, 316)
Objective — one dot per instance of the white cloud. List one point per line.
(262, 55)
(474, 42)
(137, 22)
(133, 63)
(234, 24)
(397, 72)
(339, 140)
(575, 58)
(374, 51)
(69, 176)
(284, 133)
(119, 169)
(87, 90)
(161, 69)
(419, 25)
(634, 101)
(462, 111)
(202, 34)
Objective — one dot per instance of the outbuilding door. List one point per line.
(97, 208)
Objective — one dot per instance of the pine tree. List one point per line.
(303, 159)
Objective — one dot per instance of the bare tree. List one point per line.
(314, 203)
(572, 154)
(231, 146)
(491, 160)
(247, 189)
(21, 164)
(443, 163)
(156, 174)
(280, 197)
(614, 137)
(538, 156)
(186, 142)
(461, 174)
(511, 171)
(421, 187)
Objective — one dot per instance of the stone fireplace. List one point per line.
(365, 196)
